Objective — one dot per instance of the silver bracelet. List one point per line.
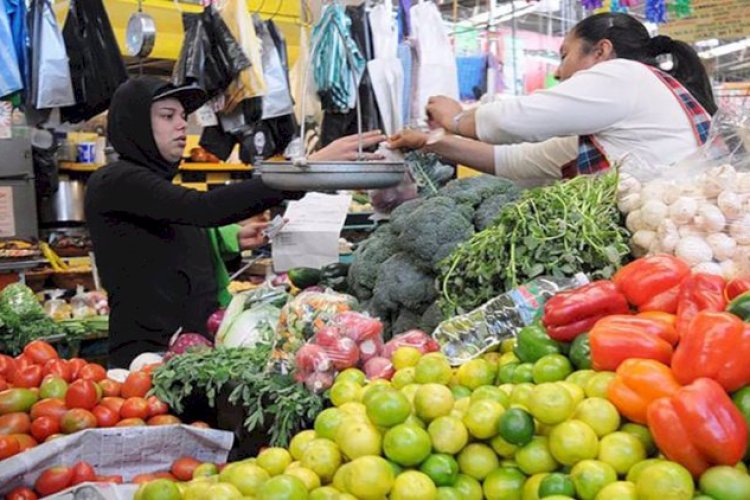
(457, 122)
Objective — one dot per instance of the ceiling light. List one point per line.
(723, 50)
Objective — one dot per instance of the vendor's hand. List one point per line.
(441, 110)
(346, 148)
(407, 139)
(251, 235)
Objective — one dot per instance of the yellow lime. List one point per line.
(433, 368)
(477, 460)
(300, 440)
(573, 441)
(507, 358)
(323, 457)
(597, 386)
(448, 435)
(369, 478)
(507, 345)
(413, 485)
(344, 392)
(162, 489)
(324, 493)
(619, 490)
(356, 439)
(535, 457)
(432, 401)
(274, 460)
(468, 487)
(531, 486)
(599, 414)
(388, 408)
(580, 377)
(475, 373)
(305, 475)
(283, 487)
(403, 377)
(326, 424)
(590, 476)
(504, 483)
(521, 394)
(482, 418)
(341, 477)
(410, 391)
(576, 391)
(246, 477)
(502, 447)
(352, 375)
(551, 403)
(491, 392)
(622, 451)
(405, 357)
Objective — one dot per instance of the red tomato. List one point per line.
(149, 369)
(164, 420)
(142, 478)
(7, 366)
(76, 420)
(22, 361)
(183, 468)
(53, 480)
(136, 385)
(9, 446)
(14, 423)
(164, 475)
(130, 422)
(25, 441)
(110, 388)
(81, 394)
(200, 424)
(109, 479)
(21, 494)
(40, 351)
(50, 407)
(114, 403)
(44, 427)
(156, 406)
(3, 383)
(75, 366)
(83, 472)
(58, 367)
(134, 408)
(105, 416)
(30, 376)
(93, 372)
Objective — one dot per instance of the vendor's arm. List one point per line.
(347, 148)
(527, 161)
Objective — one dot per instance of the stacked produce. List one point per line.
(393, 272)
(43, 397)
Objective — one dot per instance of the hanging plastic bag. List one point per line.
(210, 56)
(277, 100)
(10, 74)
(250, 82)
(51, 85)
(97, 68)
(56, 307)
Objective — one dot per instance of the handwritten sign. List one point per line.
(7, 217)
(711, 19)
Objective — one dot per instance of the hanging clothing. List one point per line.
(472, 76)
(437, 73)
(386, 71)
(16, 11)
(277, 100)
(625, 104)
(10, 75)
(405, 51)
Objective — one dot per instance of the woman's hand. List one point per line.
(441, 110)
(251, 235)
(407, 139)
(346, 148)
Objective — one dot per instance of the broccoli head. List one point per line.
(433, 230)
(367, 259)
(431, 318)
(405, 321)
(490, 209)
(399, 214)
(473, 191)
(403, 282)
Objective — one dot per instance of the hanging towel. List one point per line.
(10, 76)
(16, 11)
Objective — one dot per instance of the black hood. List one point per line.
(129, 124)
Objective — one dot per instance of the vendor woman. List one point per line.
(613, 104)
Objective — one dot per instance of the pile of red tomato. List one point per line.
(43, 397)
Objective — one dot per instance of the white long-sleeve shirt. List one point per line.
(631, 112)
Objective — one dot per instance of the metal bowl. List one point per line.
(330, 175)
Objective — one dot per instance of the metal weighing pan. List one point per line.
(331, 175)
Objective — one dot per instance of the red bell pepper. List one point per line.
(573, 312)
(637, 383)
(619, 337)
(652, 283)
(698, 427)
(716, 346)
(699, 292)
(735, 288)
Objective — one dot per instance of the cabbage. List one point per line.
(255, 325)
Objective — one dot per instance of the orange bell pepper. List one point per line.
(717, 346)
(619, 337)
(637, 383)
(698, 427)
(699, 292)
(652, 283)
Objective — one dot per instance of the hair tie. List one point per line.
(659, 44)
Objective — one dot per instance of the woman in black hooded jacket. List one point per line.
(152, 250)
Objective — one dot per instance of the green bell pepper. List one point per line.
(740, 307)
(532, 342)
(580, 352)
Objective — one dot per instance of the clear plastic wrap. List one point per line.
(698, 209)
(56, 308)
(413, 338)
(82, 304)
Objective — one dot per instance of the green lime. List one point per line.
(524, 373)
(590, 476)
(441, 468)
(460, 392)
(505, 372)
(665, 481)
(535, 457)
(557, 483)
(724, 483)
(516, 426)
(504, 483)
(642, 433)
(551, 368)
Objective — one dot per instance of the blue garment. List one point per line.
(404, 19)
(404, 55)
(16, 11)
(10, 76)
(472, 76)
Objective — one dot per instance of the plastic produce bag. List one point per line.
(51, 85)
(96, 67)
(82, 306)
(698, 209)
(413, 338)
(210, 56)
(56, 308)
(277, 100)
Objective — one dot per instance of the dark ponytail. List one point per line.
(631, 40)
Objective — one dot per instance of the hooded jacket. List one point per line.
(152, 250)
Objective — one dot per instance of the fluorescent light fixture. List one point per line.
(723, 50)
(503, 11)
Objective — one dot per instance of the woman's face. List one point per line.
(577, 55)
(169, 123)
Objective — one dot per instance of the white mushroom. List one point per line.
(719, 179)
(644, 239)
(722, 245)
(739, 229)
(653, 212)
(708, 268)
(730, 203)
(683, 210)
(693, 250)
(654, 190)
(633, 221)
(743, 182)
(628, 184)
(728, 269)
(709, 218)
(629, 202)
(667, 236)
(690, 230)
